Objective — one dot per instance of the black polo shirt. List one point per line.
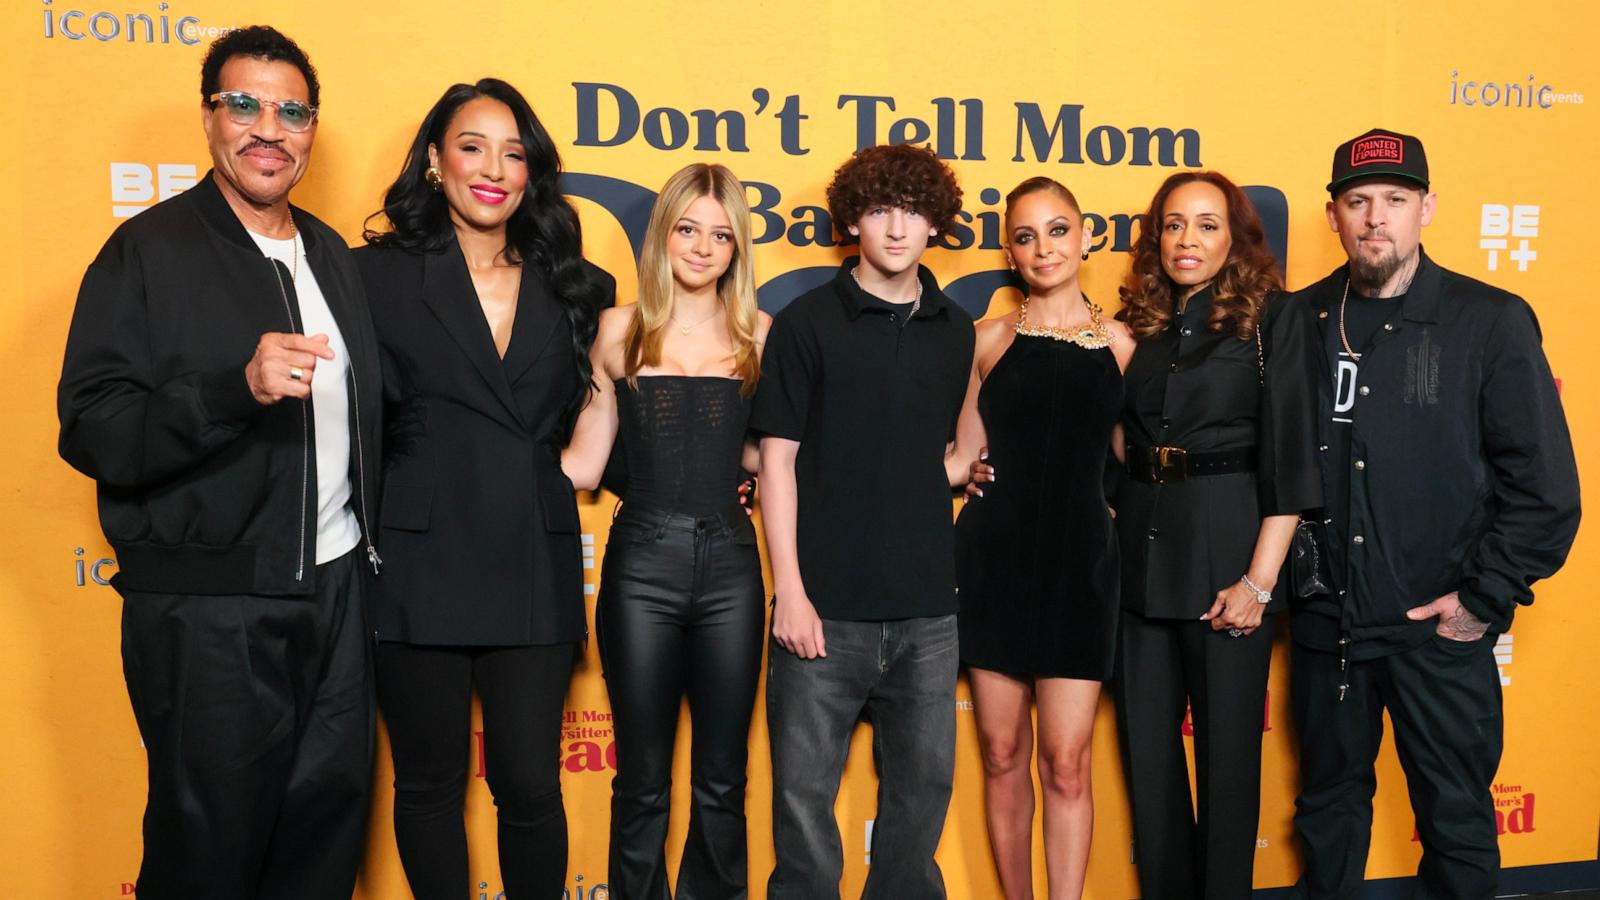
(872, 397)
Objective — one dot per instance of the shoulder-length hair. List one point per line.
(736, 287)
(1241, 287)
(543, 233)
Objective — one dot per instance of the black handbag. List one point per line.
(1308, 564)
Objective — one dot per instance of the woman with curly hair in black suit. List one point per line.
(1218, 435)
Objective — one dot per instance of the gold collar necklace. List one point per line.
(1091, 336)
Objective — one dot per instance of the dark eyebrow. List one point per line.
(479, 134)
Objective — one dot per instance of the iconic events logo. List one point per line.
(133, 28)
(91, 571)
(1521, 94)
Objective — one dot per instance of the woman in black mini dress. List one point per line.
(1036, 558)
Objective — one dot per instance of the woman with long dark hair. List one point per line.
(485, 310)
(681, 610)
(1219, 444)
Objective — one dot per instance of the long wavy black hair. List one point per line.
(543, 232)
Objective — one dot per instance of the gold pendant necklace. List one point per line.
(1091, 336)
(294, 253)
(690, 327)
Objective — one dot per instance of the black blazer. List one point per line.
(1203, 391)
(479, 525)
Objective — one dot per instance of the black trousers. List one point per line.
(1444, 700)
(1205, 850)
(425, 694)
(256, 715)
(681, 613)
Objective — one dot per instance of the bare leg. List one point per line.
(1005, 735)
(1066, 726)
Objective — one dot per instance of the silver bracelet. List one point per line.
(1262, 597)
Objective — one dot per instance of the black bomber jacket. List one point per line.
(201, 489)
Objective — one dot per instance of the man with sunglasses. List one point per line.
(221, 387)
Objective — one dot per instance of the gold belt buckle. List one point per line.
(1170, 464)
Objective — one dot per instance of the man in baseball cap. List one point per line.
(1451, 487)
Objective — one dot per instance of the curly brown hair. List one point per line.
(1241, 287)
(894, 175)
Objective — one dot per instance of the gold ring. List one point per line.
(297, 373)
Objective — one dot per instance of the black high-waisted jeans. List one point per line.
(680, 613)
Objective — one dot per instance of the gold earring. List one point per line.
(434, 178)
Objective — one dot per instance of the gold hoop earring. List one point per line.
(434, 178)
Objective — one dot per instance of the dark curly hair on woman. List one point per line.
(1241, 287)
(900, 175)
(542, 233)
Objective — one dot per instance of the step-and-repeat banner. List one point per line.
(103, 121)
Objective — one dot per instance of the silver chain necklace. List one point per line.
(916, 302)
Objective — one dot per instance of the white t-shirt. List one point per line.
(337, 528)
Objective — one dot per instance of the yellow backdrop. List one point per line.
(102, 111)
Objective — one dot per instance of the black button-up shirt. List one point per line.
(1460, 471)
(872, 397)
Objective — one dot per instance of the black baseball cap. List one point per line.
(1379, 152)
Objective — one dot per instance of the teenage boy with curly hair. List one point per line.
(861, 384)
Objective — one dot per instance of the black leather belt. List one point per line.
(1164, 465)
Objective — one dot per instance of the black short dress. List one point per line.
(1036, 557)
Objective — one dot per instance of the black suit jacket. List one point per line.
(1205, 391)
(479, 523)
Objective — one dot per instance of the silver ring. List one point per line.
(297, 373)
(1235, 632)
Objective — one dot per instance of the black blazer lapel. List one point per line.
(538, 315)
(447, 290)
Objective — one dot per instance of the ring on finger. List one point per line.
(297, 373)
(1235, 632)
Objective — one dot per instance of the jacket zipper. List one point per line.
(361, 470)
(305, 441)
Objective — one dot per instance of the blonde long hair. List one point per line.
(736, 287)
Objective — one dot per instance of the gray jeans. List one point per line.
(902, 674)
